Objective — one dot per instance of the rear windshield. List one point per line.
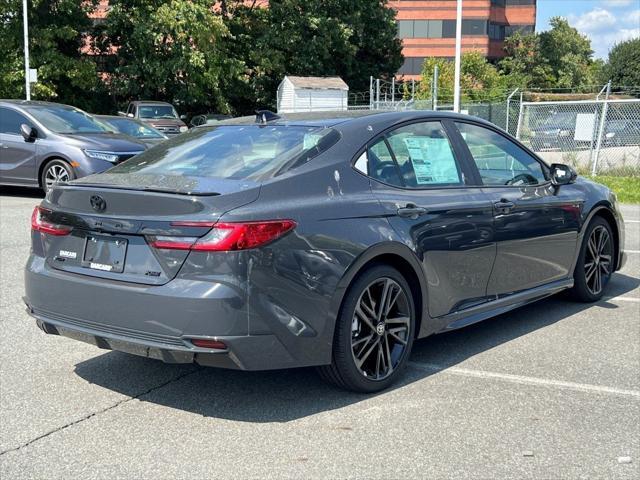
(233, 151)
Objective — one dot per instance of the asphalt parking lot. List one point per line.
(551, 390)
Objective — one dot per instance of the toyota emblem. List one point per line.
(98, 203)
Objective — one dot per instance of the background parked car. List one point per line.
(207, 119)
(558, 131)
(160, 115)
(624, 132)
(42, 143)
(134, 128)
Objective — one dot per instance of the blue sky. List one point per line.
(605, 22)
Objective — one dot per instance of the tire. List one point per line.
(591, 277)
(55, 170)
(380, 338)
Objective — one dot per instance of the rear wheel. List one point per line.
(374, 332)
(56, 171)
(595, 262)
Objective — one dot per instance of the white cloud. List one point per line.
(602, 43)
(605, 29)
(596, 20)
(618, 3)
(633, 18)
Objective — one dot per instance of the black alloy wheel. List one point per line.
(374, 332)
(597, 266)
(380, 328)
(596, 262)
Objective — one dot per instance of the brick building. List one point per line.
(428, 28)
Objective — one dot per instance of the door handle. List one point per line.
(411, 211)
(504, 206)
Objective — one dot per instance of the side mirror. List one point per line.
(28, 133)
(183, 117)
(130, 115)
(562, 174)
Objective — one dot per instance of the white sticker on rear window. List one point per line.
(432, 160)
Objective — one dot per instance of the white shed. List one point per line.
(312, 94)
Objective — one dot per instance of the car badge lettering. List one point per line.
(68, 254)
(101, 266)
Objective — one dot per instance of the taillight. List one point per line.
(227, 236)
(39, 224)
(208, 343)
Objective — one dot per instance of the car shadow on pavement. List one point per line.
(285, 395)
(24, 192)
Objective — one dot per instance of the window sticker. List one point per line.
(432, 160)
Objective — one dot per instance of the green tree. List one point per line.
(446, 73)
(169, 50)
(524, 64)
(58, 30)
(479, 79)
(623, 65)
(568, 54)
(353, 39)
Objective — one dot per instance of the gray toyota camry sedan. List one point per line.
(275, 242)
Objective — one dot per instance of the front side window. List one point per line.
(10, 121)
(499, 160)
(415, 156)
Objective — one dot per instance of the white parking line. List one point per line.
(623, 299)
(545, 382)
(632, 221)
(632, 251)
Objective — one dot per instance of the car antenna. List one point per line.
(265, 116)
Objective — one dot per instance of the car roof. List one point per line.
(115, 117)
(150, 102)
(34, 103)
(331, 119)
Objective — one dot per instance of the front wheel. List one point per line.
(374, 332)
(595, 262)
(56, 171)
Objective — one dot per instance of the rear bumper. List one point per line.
(249, 352)
(154, 321)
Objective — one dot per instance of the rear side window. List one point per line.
(499, 160)
(233, 151)
(415, 156)
(10, 121)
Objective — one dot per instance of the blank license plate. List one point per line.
(105, 253)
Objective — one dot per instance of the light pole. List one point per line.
(456, 80)
(25, 23)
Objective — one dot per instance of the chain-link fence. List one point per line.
(597, 137)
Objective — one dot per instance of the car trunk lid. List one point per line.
(114, 220)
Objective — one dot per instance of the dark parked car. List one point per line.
(622, 133)
(309, 241)
(134, 128)
(208, 119)
(160, 115)
(558, 131)
(42, 143)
